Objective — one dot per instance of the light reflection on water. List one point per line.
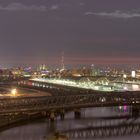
(37, 131)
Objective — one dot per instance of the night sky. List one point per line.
(87, 31)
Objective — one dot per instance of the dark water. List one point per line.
(42, 129)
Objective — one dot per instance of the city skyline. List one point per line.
(88, 31)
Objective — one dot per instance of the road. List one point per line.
(5, 91)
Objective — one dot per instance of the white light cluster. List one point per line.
(72, 83)
(88, 84)
(133, 74)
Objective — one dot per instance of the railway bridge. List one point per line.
(55, 104)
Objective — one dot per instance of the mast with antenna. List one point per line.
(62, 62)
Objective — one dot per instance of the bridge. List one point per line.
(54, 103)
(107, 84)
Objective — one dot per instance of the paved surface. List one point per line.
(5, 91)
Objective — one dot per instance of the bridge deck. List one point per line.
(24, 104)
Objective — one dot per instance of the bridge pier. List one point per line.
(62, 114)
(135, 112)
(77, 113)
(52, 116)
(45, 114)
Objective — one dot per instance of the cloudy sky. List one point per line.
(87, 31)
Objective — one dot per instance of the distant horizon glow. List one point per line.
(78, 60)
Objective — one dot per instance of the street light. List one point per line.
(124, 76)
(14, 92)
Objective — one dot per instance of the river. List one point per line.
(41, 129)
